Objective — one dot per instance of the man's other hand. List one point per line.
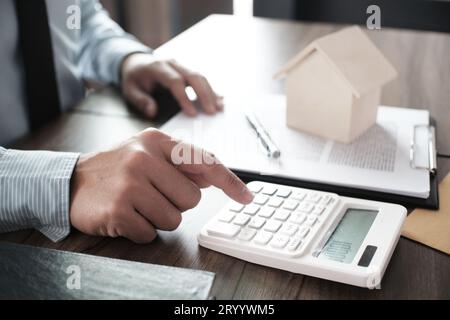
(142, 186)
(140, 75)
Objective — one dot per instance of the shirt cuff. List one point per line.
(114, 51)
(35, 191)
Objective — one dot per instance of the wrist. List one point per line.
(76, 182)
(134, 60)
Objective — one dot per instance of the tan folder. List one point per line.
(432, 228)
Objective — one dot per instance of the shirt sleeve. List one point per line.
(103, 44)
(35, 191)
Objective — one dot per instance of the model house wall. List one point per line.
(333, 86)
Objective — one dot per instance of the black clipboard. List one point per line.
(432, 202)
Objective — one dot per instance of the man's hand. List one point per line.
(135, 188)
(141, 74)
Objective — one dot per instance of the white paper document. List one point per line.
(379, 160)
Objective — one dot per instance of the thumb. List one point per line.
(143, 102)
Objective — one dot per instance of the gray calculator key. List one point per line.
(289, 229)
(298, 217)
(254, 187)
(275, 202)
(236, 207)
(266, 212)
(263, 237)
(284, 193)
(260, 199)
(223, 230)
(294, 243)
(314, 197)
(303, 232)
(241, 219)
(257, 222)
(251, 209)
(290, 204)
(305, 207)
(272, 226)
(299, 196)
(279, 241)
(311, 220)
(227, 216)
(246, 234)
(318, 210)
(282, 214)
(269, 190)
(325, 199)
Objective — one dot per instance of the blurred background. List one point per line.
(157, 21)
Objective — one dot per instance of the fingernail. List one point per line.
(151, 110)
(211, 109)
(220, 104)
(192, 113)
(247, 194)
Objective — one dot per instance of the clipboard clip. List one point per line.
(432, 153)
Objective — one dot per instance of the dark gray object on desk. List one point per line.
(36, 273)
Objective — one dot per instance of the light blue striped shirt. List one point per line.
(34, 185)
(35, 191)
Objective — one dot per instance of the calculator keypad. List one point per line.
(280, 218)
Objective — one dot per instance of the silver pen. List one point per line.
(272, 150)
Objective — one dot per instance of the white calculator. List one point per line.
(310, 232)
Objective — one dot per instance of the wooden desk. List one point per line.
(240, 56)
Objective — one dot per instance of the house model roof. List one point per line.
(354, 57)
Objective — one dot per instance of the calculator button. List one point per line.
(269, 190)
(298, 196)
(297, 217)
(313, 197)
(311, 220)
(257, 222)
(325, 199)
(303, 232)
(246, 234)
(279, 241)
(241, 219)
(284, 193)
(294, 243)
(263, 237)
(223, 230)
(318, 210)
(254, 187)
(260, 199)
(289, 229)
(236, 207)
(282, 214)
(275, 202)
(272, 226)
(266, 212)
(290, 205)
(305, 207)
(251, 209)
(226, 216)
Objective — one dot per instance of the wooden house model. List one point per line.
(333, 86)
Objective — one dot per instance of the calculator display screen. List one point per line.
(348, 236)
